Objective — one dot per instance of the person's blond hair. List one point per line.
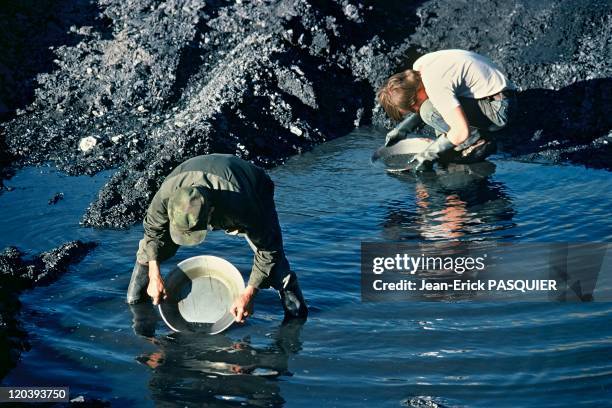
(399, 93)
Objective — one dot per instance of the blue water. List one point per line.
(349, 353)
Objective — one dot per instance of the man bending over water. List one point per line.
(457, 93)
(216, 191)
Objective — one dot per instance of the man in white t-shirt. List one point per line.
(456, 92)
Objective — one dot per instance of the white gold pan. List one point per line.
(397, 156)
(200, 292)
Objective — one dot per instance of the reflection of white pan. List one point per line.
(397, 156)
(200, 292)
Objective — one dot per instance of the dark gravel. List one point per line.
(152, 84)
(146, 85)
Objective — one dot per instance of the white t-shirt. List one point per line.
(448, 74)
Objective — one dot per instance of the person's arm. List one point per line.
(444, 100)
(442, 94)
(400, 131)
(265, 235)
(457, 134)
(156, 288)
(156, 224)
(459, 127)
(243, 305)
(269, 253)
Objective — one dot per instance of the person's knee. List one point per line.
(497, 126)
(427, 112)
(501, 114)
(500, 122)
(432, 117)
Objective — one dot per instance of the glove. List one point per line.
(424, 160)
(401, 130)
(418, 165)
(473, 137)
(394, 136)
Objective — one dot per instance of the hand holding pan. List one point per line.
(396, 157)
(200, 292)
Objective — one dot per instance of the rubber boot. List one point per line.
(137, 290)
(292, 299)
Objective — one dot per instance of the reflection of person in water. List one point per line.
(200, 370)
(457, 199)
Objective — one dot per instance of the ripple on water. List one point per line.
(420, 354)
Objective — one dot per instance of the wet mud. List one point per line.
(141, 86)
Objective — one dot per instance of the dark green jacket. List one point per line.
(242, 195)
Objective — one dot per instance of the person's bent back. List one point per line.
(460, 94)
(216, 191)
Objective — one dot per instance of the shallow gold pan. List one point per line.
(200, 292)
(399, 154)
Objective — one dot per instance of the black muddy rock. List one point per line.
(57, 197)
(17, 274)
(141, 85)
(151, 84)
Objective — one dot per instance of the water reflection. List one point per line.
(451, 203)
(202, 370)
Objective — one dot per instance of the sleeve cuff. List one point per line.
(257, 280)
(152, 252)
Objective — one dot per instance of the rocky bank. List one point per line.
(18, 274)
(141, 85)
(149, 84)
